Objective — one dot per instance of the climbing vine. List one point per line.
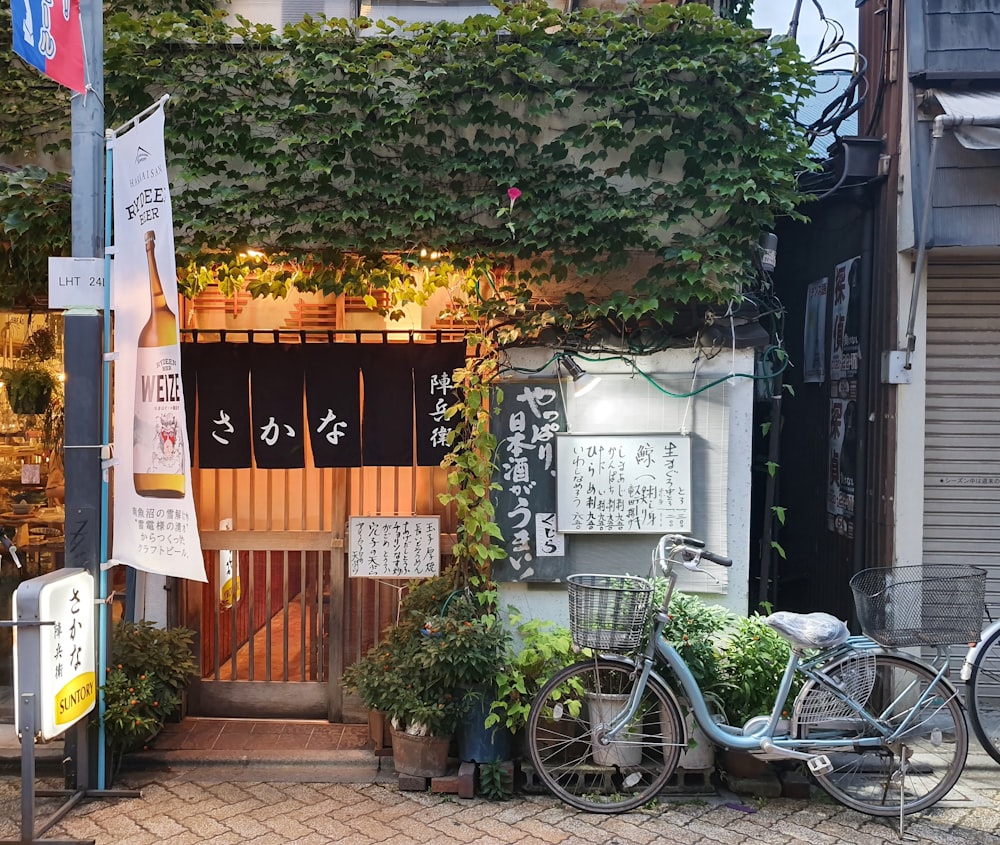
(347, 159)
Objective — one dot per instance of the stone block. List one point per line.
(795, 785)
(446, 784)
(413, 783)
(467, 780)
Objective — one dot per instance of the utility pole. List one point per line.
(83, 354)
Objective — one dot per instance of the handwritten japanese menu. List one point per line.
(623, 483)
(394, 546)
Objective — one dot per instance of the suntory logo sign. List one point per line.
(55, 660)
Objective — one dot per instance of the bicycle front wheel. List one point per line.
(908, 772)
(984, 696)
(568, 720)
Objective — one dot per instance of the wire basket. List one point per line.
(608, 612)
(933, 604)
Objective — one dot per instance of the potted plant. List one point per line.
(30, 381)
(752, 657)
(695, 629)
(30, 386)
(421, 676)
(467, 645)
(149, 670)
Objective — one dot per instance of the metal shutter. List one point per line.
(962, 417)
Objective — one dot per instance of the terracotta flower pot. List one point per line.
(420, 756)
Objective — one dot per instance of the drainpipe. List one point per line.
(941, 122)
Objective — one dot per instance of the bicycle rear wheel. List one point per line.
(916, 769)
(567, 720)
(984, 696)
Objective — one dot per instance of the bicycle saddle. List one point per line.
(809, 630)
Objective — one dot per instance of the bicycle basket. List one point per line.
(936, 603)
(608, 612)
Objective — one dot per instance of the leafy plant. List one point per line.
(30, 387)
(419, 675)
(695, 628)
(148, 672)
(545, 648)
(752, 658)
(470, 478)
(737, 661)
(496, 780)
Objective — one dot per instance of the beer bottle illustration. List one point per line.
(158, 451)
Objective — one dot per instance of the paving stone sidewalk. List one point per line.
(195, 807)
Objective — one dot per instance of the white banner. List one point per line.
(155, 526)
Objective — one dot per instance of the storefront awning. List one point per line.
(974, 117)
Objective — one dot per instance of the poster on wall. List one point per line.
(845, 354)
(814, 334)
(529, 417)
(155, 526)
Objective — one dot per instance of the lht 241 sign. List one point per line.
(54, 648)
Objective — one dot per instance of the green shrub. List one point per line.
(146, 677)
(545, 649)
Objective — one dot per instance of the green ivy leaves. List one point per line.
(664, 131)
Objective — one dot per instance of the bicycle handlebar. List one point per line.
(686, 550)
(716, 559)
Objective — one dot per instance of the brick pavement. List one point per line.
(197, 806)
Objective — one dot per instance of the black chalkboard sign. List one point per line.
(531, 413)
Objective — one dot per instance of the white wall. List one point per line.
(720, 420)
(907, 505)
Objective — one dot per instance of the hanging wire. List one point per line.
(835, 58)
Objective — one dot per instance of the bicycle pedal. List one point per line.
(820, 765)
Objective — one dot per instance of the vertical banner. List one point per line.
(230, 588)
(433, 393)
(155, 527)
(814, 334)
(529, 417)
(845, 355)
(48, 36)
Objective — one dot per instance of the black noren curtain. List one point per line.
(276, 382)
(223, 379)
(433, 394)
(387, 425)
(333, 403)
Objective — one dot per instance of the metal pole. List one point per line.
(82, 353)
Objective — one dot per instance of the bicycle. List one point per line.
(981, 673)
(946, 597)
(881, 732)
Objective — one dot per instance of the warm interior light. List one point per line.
(583, 382)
